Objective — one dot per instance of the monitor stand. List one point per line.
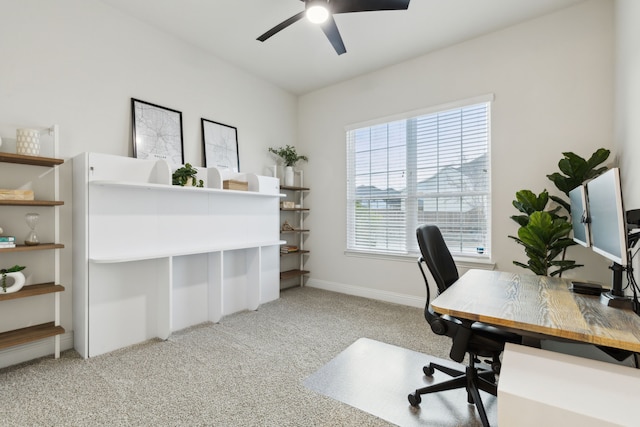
(616, 297)
(608, 299)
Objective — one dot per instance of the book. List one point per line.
(6, 239)
(7, 245)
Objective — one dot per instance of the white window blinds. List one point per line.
(432, 168)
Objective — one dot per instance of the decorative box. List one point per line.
(231, 184)
(16, 194)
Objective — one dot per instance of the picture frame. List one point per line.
(220, 145)
(157, 132)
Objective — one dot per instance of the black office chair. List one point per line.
(474, 338)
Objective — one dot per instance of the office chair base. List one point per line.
(472, 380)
(430, 369)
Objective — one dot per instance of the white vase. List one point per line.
(288, 176)
(28, 142)
(15, 282)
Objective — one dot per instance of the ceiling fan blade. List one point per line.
(347, 6)
(330, 29)
(281, 26)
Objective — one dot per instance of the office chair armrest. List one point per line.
(460, 341)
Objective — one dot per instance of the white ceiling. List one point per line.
(300, 59)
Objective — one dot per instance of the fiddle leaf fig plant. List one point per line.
(576, 171)
(545, 233)
(4, 272)
(528, 202)
(544, 237)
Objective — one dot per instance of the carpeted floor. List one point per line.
(247, 370)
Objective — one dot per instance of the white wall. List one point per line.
(78, 63)
(627, 101)
(553, 83)
(627, 106)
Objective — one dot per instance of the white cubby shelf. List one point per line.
(151, 258)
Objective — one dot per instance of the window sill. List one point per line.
(461, 262)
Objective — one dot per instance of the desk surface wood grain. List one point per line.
(539, 305)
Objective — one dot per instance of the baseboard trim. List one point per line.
(403, 299)
(34, 350)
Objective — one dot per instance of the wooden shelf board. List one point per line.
(294, 231)
(32, 290)
(291, 274)
(29, 334)
(30, 160)
(31, 203)
(294, 209)
(293, 188)
(40, 247)
(295, 253)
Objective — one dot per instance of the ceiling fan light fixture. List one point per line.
(317, 11)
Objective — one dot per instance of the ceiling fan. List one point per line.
(321, 12)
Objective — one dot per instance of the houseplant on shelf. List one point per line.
(186, 176)
(290, 157)
(14, 272)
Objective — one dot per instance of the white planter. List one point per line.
(28, 142)
(288, 176)
(15, 282)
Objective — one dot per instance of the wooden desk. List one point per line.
(540, 305)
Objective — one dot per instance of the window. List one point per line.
(428, 168)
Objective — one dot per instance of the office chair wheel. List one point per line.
(414, 400)
(428, 370)
(495, 367)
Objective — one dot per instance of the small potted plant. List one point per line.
(18, 278)
(290, 157)
(186, 176)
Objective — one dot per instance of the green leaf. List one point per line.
(595, 172)
(527, 201)
(598, 157)
(522, 220)
(519, 264)
(566, 205)
(577, 170)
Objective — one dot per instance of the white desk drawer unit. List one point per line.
(544, 388)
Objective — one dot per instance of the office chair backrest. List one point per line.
(437, 256)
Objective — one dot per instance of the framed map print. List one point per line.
(157, 132)
(220, 145)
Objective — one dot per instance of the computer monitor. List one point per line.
(580, 216)
(608, 226)
(607, 218)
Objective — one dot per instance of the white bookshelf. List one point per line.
(151, 258)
